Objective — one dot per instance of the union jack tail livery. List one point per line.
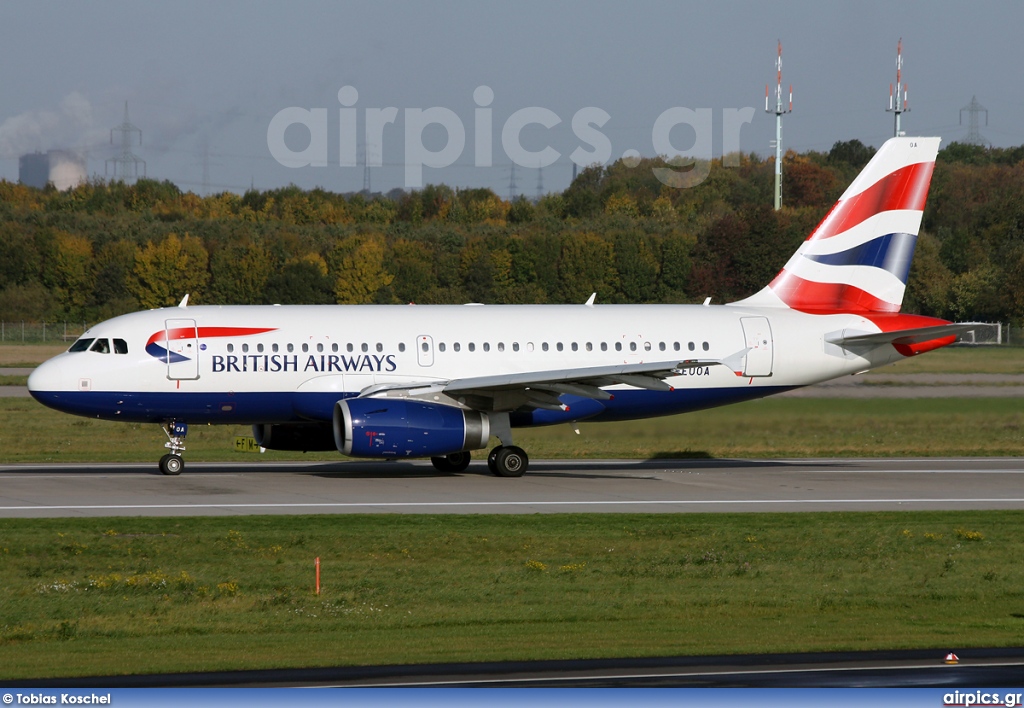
(858, 258)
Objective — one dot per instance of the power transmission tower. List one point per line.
(126, 164)
(206, 163)
(898, 101)
(512, 183)
(779, 110)
(973, 109)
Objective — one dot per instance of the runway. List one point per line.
(551, 486)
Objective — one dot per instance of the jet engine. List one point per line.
(401, 427)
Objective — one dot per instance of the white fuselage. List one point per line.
(307, 357)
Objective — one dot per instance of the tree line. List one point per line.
(103, 249)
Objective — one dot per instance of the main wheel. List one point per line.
(511, 461)
(455, 462)
(171, 464)
(492, 460)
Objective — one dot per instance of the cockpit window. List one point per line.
(120, 346)
(81, 345)
(101, 346)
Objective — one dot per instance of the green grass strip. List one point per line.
(119, 596)
(779, 427)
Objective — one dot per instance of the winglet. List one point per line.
(590, 300)
(184, 302)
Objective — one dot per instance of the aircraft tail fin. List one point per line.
(858, 258)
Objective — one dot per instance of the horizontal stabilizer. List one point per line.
(846, 338)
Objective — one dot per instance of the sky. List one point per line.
(225, 79)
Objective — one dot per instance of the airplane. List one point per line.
(439, 381)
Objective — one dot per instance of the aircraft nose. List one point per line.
(46, 377)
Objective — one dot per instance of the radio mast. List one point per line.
(780, 109)
(898, 100)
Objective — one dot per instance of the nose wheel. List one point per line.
(172, 463)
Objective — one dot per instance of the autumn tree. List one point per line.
(167, 270)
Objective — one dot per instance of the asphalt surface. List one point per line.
(990, 668)
(551, 486)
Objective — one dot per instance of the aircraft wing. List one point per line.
(541, 389)
(902, 336)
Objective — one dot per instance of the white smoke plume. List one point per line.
(69, 126)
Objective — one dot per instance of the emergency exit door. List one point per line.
(758, 336)
(182, 341)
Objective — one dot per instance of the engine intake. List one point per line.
(400, 427)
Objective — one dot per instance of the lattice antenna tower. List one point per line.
(126, 164)
(512, 188)
(974, 109)
(369, 156)
(898, 101)
(779, 109)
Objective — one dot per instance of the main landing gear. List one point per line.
(503, 461)
(508, 461)
(172, 463)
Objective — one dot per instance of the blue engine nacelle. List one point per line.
(400, 427)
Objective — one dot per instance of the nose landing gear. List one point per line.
(172, 463)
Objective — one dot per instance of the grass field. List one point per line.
(788, 427)
(119, 596)
(115, 596)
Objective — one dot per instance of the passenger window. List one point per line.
(334, 347)
(120, 346)
(365, 347)
(245, 347)
(425, 347)
(632, 346)
(559, 346)
(291, 347)
(604, 346)
(675, 345)
(401, 346)
(647, 346)
(440, 347)
(544, 346)
(529, 346)
(101, 346)
(661, 346)
(320, 347)
(259, 348)
(575, 347)
(501, 346)
(590, 347)
(706, 346)
(690, 346)
(380, 347)
(305, 347)
(231, 348)
(472, 347)
(515, 346)
(618, 346)
(487, 347)
(456, 346)
(349, 348)
(81, 345)
(274, 347)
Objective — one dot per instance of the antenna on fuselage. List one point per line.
(184, 302)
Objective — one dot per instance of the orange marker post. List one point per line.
(317, 575)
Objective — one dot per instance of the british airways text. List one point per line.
(324, 363)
